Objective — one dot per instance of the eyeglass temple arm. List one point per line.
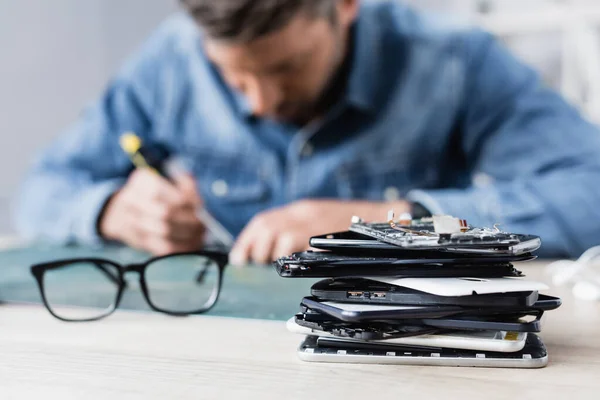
(202, 274)
(114, 279)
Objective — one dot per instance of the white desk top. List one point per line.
(149, 356)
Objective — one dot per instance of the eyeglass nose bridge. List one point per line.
(139, 268)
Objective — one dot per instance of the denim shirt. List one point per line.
(435, 113)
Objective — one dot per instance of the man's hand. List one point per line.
(286, 230)
(153, 214)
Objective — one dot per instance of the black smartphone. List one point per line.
(363, 313)
(443, 317)
(353, 243)
(406, 258)
(372, 331)
(365, 291)
(421, 235)
(297, 267)
(491, 323)
(334, 315)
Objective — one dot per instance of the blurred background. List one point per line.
(57, 55)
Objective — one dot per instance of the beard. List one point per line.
(297, 113)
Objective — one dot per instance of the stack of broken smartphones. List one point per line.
(433, 291)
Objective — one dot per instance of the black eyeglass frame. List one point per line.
(221, 259)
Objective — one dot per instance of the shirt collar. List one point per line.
(242, 103)
(362, 86)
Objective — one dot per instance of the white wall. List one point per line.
(55, 56)
(559, 37)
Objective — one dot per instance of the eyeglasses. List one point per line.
(88, 289)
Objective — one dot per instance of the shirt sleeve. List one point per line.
(537, 159)
(70, 182)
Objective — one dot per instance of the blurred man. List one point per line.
(297, 114)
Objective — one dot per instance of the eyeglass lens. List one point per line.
(82, 290)
(182, 284)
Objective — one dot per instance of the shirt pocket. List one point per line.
(230, 179)
(377, 179)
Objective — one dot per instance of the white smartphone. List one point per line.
(496, 341)
(466, 286)
(315, 349)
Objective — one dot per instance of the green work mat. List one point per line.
(248, 292)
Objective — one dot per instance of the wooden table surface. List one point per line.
(137, 355)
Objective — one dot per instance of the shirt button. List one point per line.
(482, 180)
(220, 188)
(308, 150)
(391, 194)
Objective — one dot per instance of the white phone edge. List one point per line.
(450, 342)
(456, 287)
(422, 361)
